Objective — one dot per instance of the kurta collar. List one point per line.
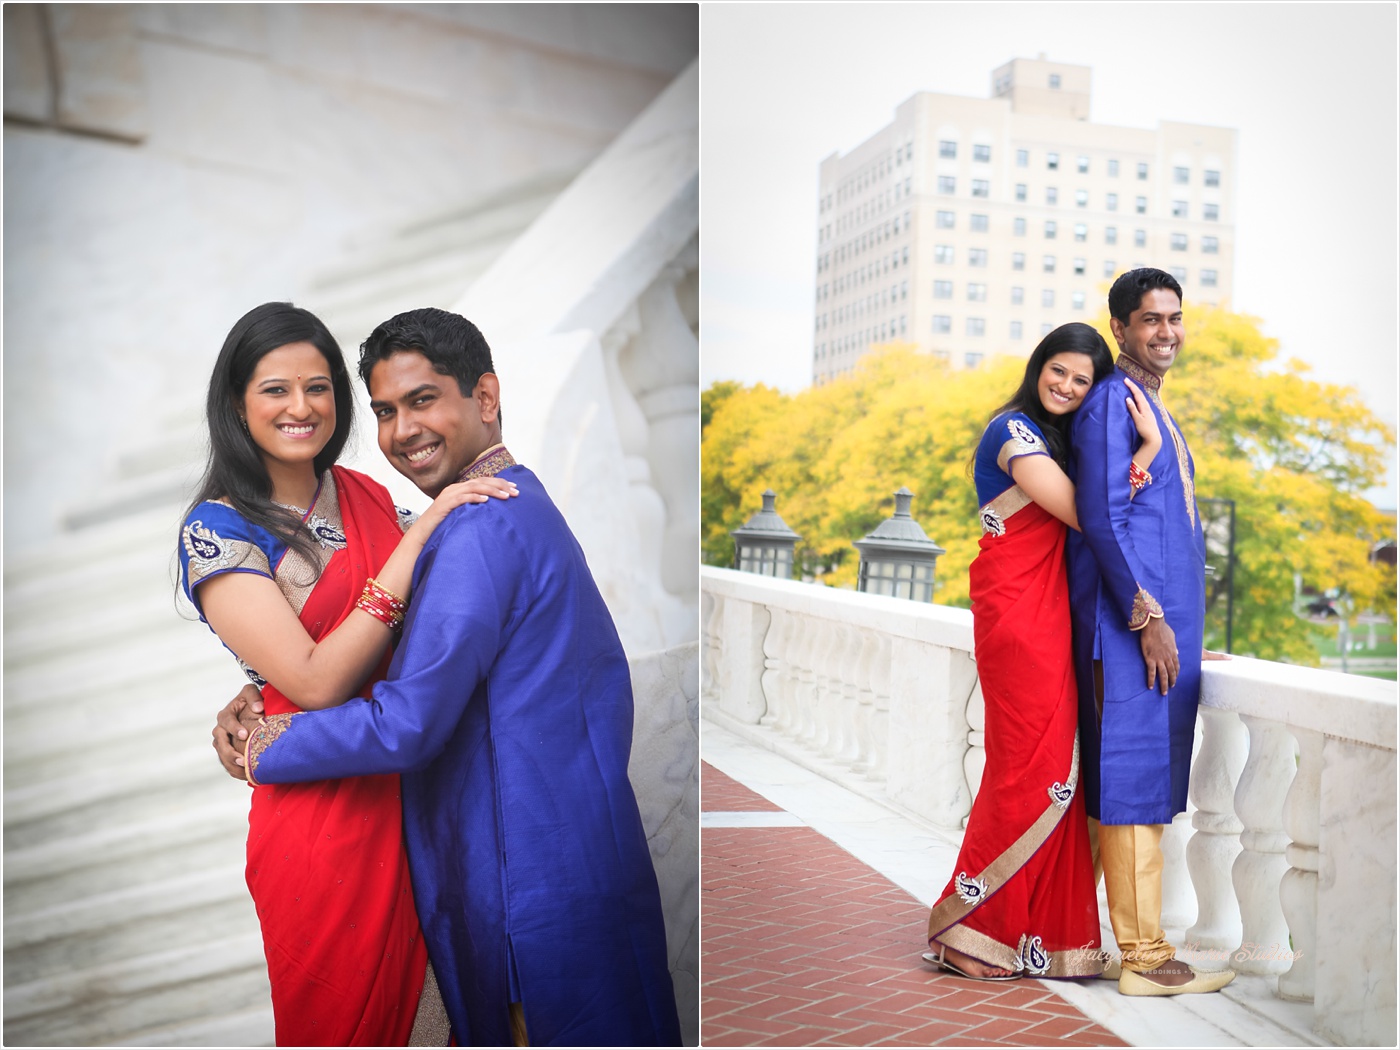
(1144, 378)
(487, 465)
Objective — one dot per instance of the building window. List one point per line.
(1055, 81)
(1110, 235)
(1211, 212)
(1212, 178)
(903, 294)
(977, 257)
(1210, 245)
(1050, 229)
(1142, 172)
(1081, 231)
(1023, 158)
(1048, 264)
(1208, 278)
(1113, 168)
(1052, 161)
(1181, 176)
(1018, 295)
(1083, 164)
(1178, 209)
(1076, 300)
(1081, 198)
(1052, 195)
(943, 289)
(943, 253)
(945, 220)
(1179, 272)
(978, 224)
(1015, 329)
(976, 293)
(1141, 205)
(942, 324)
(982, 153)
(947, 149)
(1113, 202)
(1046, 329)
(1018, 227)
(1139, 238)
(1047, 297)
(1020, 191)
(981, 187)
(904, 255)
(1079, 266)
(1109, 268)
(1018, 260)
(947, 184)
(976, 326)
(1178, 242)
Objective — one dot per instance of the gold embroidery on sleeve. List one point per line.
(1145, 607)
(269, 729)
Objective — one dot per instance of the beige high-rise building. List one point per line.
(971, 227)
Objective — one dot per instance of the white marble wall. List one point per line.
(665, 775)
(169, 166)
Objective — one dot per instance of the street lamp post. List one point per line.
(898, 558)
(765, 544)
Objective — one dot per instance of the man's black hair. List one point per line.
(1126, 294)
(453, 345)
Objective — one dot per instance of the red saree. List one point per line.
(326, 861)
(1022, 894)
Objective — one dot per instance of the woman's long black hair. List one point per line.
(1072, 338)
(235, 471)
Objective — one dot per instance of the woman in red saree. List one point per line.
(285, 589)
(1022, 900)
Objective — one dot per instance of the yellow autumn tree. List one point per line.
(1292, 453)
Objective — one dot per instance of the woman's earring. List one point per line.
(244, 421)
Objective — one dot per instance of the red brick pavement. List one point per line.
(803, 945)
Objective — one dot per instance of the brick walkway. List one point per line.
(803, 945)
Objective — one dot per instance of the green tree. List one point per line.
(1294, 454)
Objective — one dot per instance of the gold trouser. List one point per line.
(1129, 858)
(517, 1025)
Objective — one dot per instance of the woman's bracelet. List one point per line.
(383, 604)
(1138, 478)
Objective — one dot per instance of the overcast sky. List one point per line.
(1311, 89)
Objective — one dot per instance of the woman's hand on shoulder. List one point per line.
(476, 490)
(1143, 417)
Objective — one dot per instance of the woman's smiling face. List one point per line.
(1064, 380)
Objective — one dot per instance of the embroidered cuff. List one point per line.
(269, 729)
(1145, 607)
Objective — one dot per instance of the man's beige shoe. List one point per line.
(1204, 981)
(1112, 970)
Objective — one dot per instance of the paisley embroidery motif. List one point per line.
(406, 517)
(991, 522)
(1034, 959)
(1061, 794)
(253, 676)
(970, 890)
(1022, 433)
(205, 544)
(328, 535)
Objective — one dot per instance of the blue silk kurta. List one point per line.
(1136, 758)
(508, 709)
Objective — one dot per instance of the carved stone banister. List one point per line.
(1211, 851)
(1259, 868)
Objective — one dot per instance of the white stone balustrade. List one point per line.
(1286, 860)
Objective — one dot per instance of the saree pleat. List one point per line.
(1022, 893)
(326, 862)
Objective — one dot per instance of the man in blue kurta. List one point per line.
(508, 710)
(1137, 594)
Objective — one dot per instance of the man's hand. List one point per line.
(1159, 651)
(235, 722)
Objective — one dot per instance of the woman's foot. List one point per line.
(974, 968)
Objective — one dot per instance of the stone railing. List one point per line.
(1285, 864)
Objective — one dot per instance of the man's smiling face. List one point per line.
(1154, 333)
(428, 430)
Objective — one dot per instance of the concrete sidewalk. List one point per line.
(813, 909)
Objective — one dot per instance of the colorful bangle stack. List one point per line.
(383, 604)
(1138, 478)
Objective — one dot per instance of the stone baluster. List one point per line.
(829, 693)
(1298, 891)
(844, 747)
(859, 755)
(804, 722)
(1178, 898)
(1211, 851)
(743, 629)
(775, 667)
(793, 683)
(975, 759)
(711, 612)
(1259, 868)
(880, 720)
